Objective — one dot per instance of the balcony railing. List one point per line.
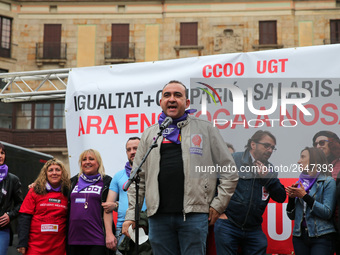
(51, 52)
(119, 52)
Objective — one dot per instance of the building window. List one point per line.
(188, 34)
(52, 41)
(40, 116)
(59, 116)
(120, 41)
(6, 111)
(24, 116)
(5, 35)
(267, 32)
(335, 31)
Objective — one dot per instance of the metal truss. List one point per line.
(34, 85)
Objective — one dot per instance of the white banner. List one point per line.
(106, 105)
(293, 93)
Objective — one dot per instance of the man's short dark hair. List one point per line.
(132, 138)
(175, 81)
(258, 136)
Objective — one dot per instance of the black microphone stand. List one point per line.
(134, 177)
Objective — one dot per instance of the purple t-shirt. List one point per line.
(85, 226)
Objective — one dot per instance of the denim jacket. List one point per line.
(252, 194)
(319, 217)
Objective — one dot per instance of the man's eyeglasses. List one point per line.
(268, 146)
(321, 143)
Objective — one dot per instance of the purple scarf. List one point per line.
(172, 132)
(87, 180)
(3, 172)
(49, 188)
(128, 169)
(307, 181)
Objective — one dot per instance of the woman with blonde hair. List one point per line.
(43, 214)
(89, 188)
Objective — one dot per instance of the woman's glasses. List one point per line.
(321, 143)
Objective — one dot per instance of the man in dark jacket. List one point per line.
(240, 225)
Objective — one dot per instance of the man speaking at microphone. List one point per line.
(181, 202)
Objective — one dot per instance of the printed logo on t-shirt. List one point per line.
(54, 200)
(196, 144)
(95, 189)
(49, 228)
(265, 194)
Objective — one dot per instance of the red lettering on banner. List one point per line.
(243, 123)
(264, 120)
(289, 117)
(227, 113)
(144, 122)
(273, 66)
(226, 70)
(96, 125)
(110, 125)
(277, 226)
(198, 114)
(81, 130)
(129, 122)
(316, 115)
(331, 114)
(95, 122)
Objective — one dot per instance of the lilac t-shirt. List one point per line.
(85, 226)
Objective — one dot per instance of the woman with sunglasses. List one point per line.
(329, 143)
(311, 205)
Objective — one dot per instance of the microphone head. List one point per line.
(168, 120)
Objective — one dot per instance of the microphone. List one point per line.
(167, 122)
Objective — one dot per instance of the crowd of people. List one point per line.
(63, 215)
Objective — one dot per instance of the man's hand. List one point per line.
(110, 206)
(223, 216)
(126, 225)
(111, 242)
(213, 216)
(262, 170)
(4, 220)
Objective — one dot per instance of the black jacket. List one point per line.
(11, 202)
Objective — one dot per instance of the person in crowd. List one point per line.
(329, 143)
(86, 233)
(43, 214)
(180, 199)
(117, 192)
(239, 227)
(311, 205)
(11, 198)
